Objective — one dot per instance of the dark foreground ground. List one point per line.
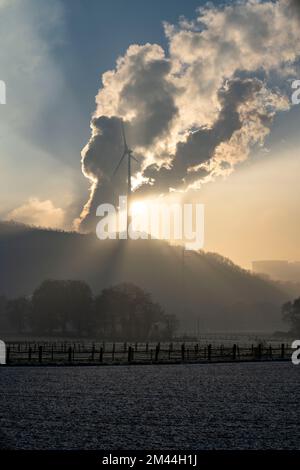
(213, 406)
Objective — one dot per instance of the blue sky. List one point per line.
(71, 43)
(94, 35)
(91, 36)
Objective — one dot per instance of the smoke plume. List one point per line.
(193, 113)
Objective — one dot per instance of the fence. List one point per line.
(80, 353)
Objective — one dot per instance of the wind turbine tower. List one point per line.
(129, 154)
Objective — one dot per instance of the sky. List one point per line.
(52, 57)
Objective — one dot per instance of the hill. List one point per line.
(202, 288)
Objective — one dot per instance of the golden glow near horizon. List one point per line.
(255, 214)
(252, 214)
(153, 219)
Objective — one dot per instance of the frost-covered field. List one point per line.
(222, 406)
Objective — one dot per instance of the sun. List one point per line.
(138, 207)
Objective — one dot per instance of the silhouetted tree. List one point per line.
(291, 314)
(62, 306)
(80, 307)
(171, 325)
(18, 313)
(48, 307)
(126, 311)
(3, 313)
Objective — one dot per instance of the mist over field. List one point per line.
(196, 286)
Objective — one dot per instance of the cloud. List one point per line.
(195, 112)
(139, 90)
(31, 33)
(204, 153)
(39, 213)
(27, 64)
(106, 141)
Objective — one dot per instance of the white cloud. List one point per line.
(38, 213)
(29, 32)
(186, 109)
(250, 36)
(28, 35)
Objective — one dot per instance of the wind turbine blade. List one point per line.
(118, 165)
(135, 159)
(123, 134)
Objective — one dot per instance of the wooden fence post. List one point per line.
(93, 352)
(209, 352)
(182, 351)
(157, 352)
(234, 352)
(101, 354)
(70, 354)
(7, 354)
(52, 353)
(113, 352)
(282, 351)
(40, 354)
(259, 351)
(29, 353)
(129, 354)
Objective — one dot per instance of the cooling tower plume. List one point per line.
(193, 113)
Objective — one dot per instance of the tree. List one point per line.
(291, 314)
(18, 312)
(171, 325)
(4, 324)
(62, 306)
(127, 312)
(80, 307)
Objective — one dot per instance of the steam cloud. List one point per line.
(195, 112)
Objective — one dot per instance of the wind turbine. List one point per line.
(126, 153)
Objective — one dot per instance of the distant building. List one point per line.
(278, 270)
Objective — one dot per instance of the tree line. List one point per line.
(69, 308)
(291, 314)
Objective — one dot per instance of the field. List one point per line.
(215, 406)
